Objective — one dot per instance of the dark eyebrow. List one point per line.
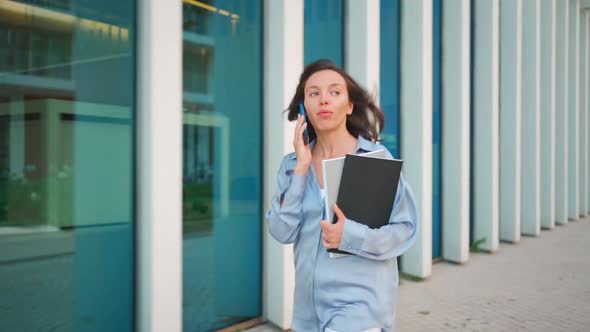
(330, 86)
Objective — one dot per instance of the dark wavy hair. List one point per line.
(366, 119)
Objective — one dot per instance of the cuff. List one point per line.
(353, 236)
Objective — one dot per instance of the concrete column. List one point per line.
(510, 118)
(548, 113)
(583, 130)
(416, 125)
(485, 139)
(584, 92)
(159, 191)
(572, 109)
(17, 136)
(362, 43)
(531, 119)
(561, 115)
(283, 47)
(587, 105)
(51, 139)
(455, 132)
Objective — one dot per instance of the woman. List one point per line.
(356, 292)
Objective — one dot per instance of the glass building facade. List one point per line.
(67, 165)
(324, 31)
(222, 148)
(83, 219)
(67, 122)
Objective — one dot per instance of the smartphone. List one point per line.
(305, 135)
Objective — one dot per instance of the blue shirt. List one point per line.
(351, 293)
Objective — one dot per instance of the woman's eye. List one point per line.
(335, 93)
(313, 94)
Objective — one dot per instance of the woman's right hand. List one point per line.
(302, 150)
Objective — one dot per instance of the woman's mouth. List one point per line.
(324, 114)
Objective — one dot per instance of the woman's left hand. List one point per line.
(332, 233)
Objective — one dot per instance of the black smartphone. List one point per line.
(305, 135)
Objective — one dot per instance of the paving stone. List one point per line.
(539, 284)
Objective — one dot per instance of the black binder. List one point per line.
(367, 190)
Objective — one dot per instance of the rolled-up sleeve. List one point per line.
(390, 240)
(285, 215)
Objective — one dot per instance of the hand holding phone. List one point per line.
(301, 143)
(305, 135)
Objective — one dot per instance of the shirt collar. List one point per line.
(363, 145)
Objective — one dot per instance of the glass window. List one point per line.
(389, 73)
(222, 164)
(324, 30)
(436, 126)
(67, 115)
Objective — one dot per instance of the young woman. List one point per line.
(356, 292)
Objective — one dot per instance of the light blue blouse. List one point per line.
(351, 293)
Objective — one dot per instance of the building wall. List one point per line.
(130, 173)
(472, 74)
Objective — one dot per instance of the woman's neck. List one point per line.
(335, 144)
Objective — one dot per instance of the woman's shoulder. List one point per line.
(387, 153)
(369, 146)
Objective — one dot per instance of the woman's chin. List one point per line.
(325, 129)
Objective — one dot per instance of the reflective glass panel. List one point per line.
(67, 81)
(436, 126)
(390, 73)
(324, 30)
(222, 148)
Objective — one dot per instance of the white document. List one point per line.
(332, 172)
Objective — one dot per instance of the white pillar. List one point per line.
(548, 113)
(531, 119)
(573, 118)
(455, 134)
(416, 125)
(561, 114)
(486, 127)
(510, 118)
(587, 105)
(363, 43)
(159, 160)
(283, 47)
(583, 130)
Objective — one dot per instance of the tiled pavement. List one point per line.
(539, 284)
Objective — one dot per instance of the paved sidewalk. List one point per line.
(539, 284)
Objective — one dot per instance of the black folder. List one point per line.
(367, 190)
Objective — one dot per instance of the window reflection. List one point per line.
(389, 73)
(222, 113)
(198, 203)
(66, 161)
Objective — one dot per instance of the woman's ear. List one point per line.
(350, 108)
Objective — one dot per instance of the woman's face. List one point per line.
(326, 101)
